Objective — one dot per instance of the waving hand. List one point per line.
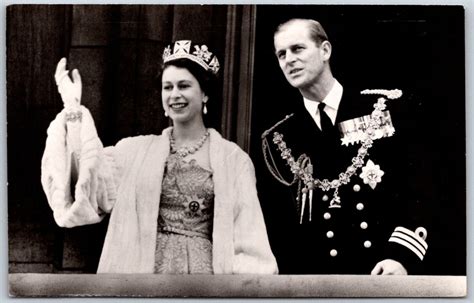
(70, 89)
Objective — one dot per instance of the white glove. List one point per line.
(71, 91)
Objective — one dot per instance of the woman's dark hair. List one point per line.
(205, 78)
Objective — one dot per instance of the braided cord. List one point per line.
(273, 169)
(267, 153)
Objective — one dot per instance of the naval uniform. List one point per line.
(371, 225)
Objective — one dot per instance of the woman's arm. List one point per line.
(78, 175)
(80, 183)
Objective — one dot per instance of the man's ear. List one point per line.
(326, 50)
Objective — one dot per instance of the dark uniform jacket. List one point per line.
(353, 238)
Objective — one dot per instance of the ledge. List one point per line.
(148, 285)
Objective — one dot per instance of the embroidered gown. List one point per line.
(184, 240)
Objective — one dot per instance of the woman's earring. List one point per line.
(166, 114)
(204, 109)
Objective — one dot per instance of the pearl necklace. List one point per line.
(187, 150)
(302, 168)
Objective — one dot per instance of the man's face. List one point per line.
(301, 61)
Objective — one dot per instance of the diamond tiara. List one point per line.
(194, 52)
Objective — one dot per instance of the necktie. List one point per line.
(326, 122)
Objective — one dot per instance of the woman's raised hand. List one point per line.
(70, 90)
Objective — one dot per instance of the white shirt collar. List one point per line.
(332, 101)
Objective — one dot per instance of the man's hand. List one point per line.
(70, 91)
(389, 267)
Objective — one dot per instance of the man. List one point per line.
(344, 210)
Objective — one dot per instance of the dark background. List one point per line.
(419, 49)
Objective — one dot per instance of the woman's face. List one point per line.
(182, 95)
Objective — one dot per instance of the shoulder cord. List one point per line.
(267, 153)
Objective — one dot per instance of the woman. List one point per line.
(183, 202)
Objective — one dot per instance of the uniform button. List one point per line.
(367, 244)
(356, 187)
(363, 225)
(325, 198)
(329, 234)
(333, 252)
(327, 216)
(360, 206)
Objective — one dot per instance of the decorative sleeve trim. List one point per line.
(411, 240)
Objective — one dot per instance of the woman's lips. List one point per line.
(178, 106)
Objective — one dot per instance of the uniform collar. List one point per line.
(332, 101)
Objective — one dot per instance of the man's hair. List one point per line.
(316, 30)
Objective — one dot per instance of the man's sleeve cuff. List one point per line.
(414, 241)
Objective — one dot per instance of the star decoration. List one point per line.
(193, 206)
(371, 174)
(345, 140)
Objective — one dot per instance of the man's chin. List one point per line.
(296, 83)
